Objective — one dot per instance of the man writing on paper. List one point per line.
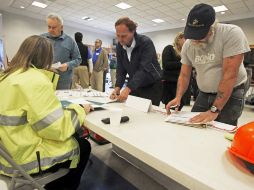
(136, 56)
(65, 50)
(216, 51)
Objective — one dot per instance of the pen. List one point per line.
(174, 107)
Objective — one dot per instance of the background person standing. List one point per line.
(100, 65)
(82, 73)
(65, 50)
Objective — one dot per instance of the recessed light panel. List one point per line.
(123, 5)
(39, 4)
(158, 20)
(220, 8)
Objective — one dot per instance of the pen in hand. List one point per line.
(175, 107)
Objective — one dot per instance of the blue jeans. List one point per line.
(230, 112)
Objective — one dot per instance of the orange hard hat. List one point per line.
(243, 143)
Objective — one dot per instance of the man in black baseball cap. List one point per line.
(216, 51)
(199, 21)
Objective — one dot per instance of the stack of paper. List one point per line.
(80, 93)
(183, 118)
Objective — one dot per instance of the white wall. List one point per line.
(166, 37)
(247, 26)
(163, 38)
(16, 28)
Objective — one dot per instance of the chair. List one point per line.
(22, 180)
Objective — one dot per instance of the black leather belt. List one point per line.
(241, 86)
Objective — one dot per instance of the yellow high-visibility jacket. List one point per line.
(32, 119)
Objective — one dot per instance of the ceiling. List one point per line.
(142, 11)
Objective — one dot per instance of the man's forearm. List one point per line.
(117, 90)
(73, 63)
(182, 85)
(90, 65)
(224, 92)
(229, 76)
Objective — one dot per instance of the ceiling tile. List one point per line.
(142, 11)
(176, 5)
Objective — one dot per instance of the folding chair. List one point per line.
(22, 180)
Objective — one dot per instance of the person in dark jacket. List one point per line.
(171, 66)
(136, 56)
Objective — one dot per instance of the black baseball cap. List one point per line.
(199, 20)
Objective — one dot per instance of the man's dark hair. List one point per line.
(131, 25)
(78, 37)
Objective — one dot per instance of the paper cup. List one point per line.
(115, 115)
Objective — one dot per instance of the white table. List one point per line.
(195, 158)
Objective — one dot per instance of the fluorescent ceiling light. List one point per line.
(183, 19)
(123, 5)
(222, 12)
(220, 8)
(158, 20)
(39, 4)
(22, 7)
(87, 18)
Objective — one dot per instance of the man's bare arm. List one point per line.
(229, 76)
(183, 80)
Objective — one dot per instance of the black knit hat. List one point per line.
(199, 20)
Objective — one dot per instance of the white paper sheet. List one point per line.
(183, 118)
(80, 93)
(138, 103)
(56, 65)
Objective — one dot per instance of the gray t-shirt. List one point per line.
(228, 40)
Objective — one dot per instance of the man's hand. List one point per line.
(204, 117)
(87, 108)
(115, 93)
(53, 70)
(173, 103)
(124, 94)
(63, 67)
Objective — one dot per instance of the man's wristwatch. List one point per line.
(214, 109)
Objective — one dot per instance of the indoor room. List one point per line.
(126, 94)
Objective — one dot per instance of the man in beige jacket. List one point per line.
(100, 64)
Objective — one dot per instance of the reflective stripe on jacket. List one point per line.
(32, 119)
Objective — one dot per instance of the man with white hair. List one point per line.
(65, 50)
(216, 51)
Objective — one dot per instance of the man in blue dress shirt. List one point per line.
(65, 50)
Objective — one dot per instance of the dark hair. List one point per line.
(78, 37)
(35, 50)
(131, 25)
(99, 41)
